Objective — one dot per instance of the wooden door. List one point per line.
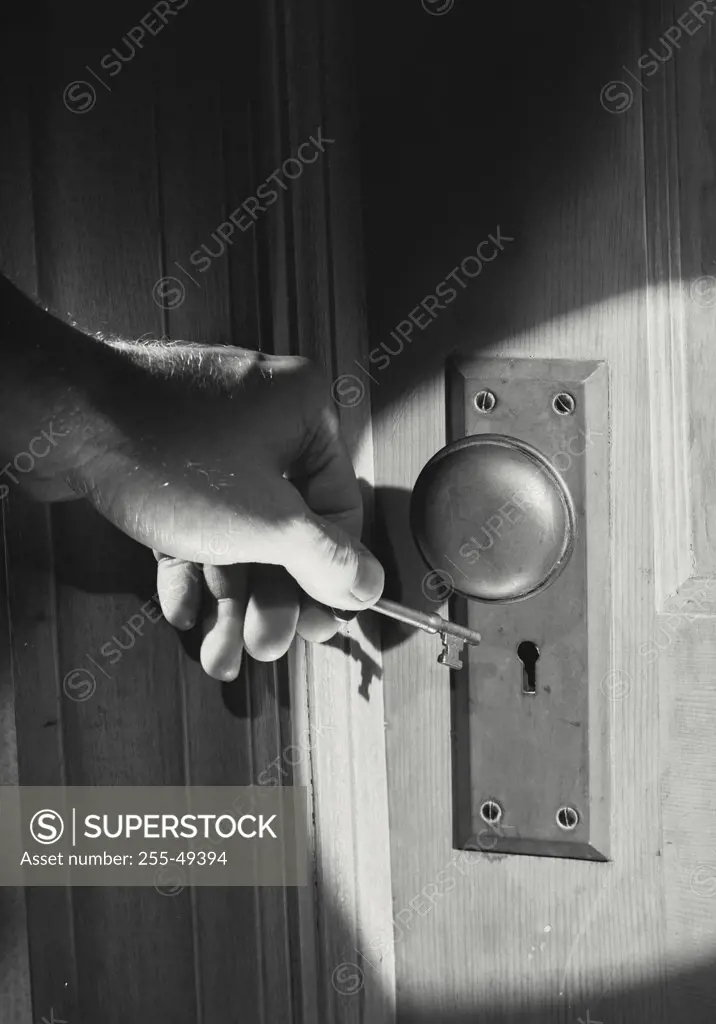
(585, 133)
(470, 120)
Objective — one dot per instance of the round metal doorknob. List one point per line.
(491, 512)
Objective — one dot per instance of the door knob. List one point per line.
(491, 511)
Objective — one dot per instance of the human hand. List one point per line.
(230, 466)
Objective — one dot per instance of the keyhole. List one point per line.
(528, 653)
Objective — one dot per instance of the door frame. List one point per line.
(317, 293)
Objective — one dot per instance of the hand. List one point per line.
(230, 466)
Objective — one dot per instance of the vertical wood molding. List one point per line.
(317, 304)
(674, 337)
(666, 343)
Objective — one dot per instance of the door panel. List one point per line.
(609, 215)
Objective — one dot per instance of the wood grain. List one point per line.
(32, 740)
(231, 733)
(98, 216)
(124, 192)
(681, 300)
(520, 938)
(606, 226)
(121, 193)
(319, 303)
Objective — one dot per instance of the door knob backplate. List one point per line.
(514, 513)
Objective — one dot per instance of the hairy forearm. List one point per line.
(58, 388)
(67, 397)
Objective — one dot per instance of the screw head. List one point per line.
(567, 818)
(485, 401)
(564, 404)
(491, 812)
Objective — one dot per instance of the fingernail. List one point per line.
(369, 580)
(228, 673)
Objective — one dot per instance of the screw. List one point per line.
(485, 401)
(491, 812)
(567, 818)
(564, 404)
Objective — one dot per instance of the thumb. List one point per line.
(330, 565)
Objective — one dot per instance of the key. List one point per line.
(452, 649)
(453, 636)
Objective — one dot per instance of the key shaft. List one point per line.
(429, 622)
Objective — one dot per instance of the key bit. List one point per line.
(453, 636)
(452, 649)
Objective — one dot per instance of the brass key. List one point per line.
(453, 636)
